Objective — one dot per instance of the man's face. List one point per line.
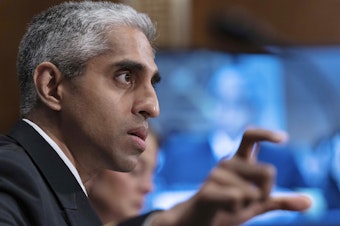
(105, 110)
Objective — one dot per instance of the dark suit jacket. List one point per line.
(37, 188)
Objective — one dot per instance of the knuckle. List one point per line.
(269, 171)
(229, 164)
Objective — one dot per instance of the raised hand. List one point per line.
(262, 182)
(235, 191)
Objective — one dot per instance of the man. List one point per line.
(87, 74)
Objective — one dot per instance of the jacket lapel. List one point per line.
(57, 174)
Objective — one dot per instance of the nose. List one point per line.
(146, 102)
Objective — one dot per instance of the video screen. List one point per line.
(209, 98)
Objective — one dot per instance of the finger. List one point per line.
(230, 199)
(252, 136)
(259, 175)
(295, 202)
(254, 153)
(291, 203)
(226, 179)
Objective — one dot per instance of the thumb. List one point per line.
(296, 202)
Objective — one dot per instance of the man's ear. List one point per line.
(47, 78)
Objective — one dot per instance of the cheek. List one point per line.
(96, 113)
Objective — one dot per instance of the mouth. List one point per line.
(138, 136)
(141, 133)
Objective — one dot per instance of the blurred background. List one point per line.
(227, 65)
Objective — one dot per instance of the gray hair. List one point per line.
(68, 35)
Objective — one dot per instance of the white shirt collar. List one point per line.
(59, 152)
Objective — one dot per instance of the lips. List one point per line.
(141, 133)
(138, 136)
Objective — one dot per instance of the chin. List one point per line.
(123, 169)
(126, 164)
(131, 163)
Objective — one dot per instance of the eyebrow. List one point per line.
(129, 64)
(135, 66)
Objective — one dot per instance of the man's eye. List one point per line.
(125, 78)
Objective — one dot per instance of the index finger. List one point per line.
(252, 136)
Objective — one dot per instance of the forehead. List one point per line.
(126, 44)
(130, 41)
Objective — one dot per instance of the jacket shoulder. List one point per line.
(25, 199)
